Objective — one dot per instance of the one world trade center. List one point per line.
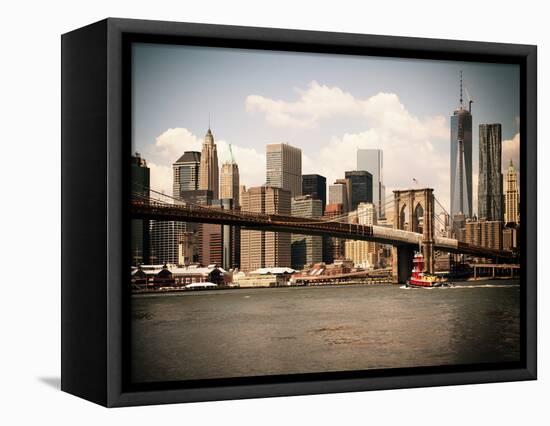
(461, 161)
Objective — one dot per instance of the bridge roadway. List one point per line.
(151, 210)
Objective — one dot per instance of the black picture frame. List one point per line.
(95, 256)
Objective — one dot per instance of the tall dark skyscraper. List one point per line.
(140, 178)
(360, 187)
(461, 159)
(185, 172)
(316, 187)
(489, 195)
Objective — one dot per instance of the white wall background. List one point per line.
(30, 236)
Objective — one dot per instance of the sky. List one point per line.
(327, 105)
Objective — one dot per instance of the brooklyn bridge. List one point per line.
(413, 227)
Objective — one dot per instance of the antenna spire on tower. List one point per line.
(231, 152)
(460, 87)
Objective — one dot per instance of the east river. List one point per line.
(254, 332)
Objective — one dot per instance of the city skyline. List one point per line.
(290, 177)
(311, 108)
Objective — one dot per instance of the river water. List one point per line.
(266, 331)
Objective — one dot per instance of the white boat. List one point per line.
(199, 286)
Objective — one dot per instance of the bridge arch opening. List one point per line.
(404, 218)
(418, 219)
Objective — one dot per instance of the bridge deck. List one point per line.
(279, 223)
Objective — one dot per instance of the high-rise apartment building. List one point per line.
(484, 233)
(306, 249)
(511, 195)
(284, 168)
(372, 160)
(316, 187)
(139, 238)
(363, 253)
(489, 195)
(209, 172)
(262, 249)
(229, 182)
(461, 160)
(185, 173)
(367, 214)
(360, 187)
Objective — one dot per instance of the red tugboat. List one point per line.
(423, 279)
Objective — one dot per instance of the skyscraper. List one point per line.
(185, 173)
(511, 195)
(230, 246)
(284, 168)
(360, 187)
(316, 187)
(338, 193)
(165, 239)
(140, 178)
(210, 246)
(461, 159)
(333, 248)
(367, 214)
(363, 253)
(490, 200)
(229, 182)
(262, 249)
(371, 160)
(167, 236)
(204, 235)
(484, 233)
(209, 173)
(306, 249)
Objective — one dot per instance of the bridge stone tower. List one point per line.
(414, 212)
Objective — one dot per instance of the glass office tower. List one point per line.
(461, 160)
(372, 161)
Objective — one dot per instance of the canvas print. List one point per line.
(297, 213)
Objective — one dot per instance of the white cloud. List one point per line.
(319, 102)
(171, 144)
(161, 178)
(405, 158)
(408, 141)
(510, 151)
(168, 147)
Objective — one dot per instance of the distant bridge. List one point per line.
(152, 210)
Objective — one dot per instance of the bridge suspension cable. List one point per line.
(136, 194)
